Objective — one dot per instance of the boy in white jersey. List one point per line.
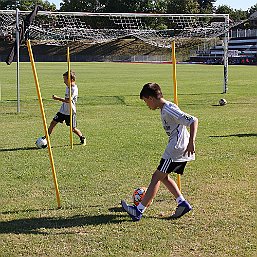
(64, 112)
(180, 150)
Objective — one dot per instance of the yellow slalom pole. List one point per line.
(69, 82)
(175, 93)
(44, 122)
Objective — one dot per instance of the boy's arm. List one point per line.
(64, 100)
(191, 144)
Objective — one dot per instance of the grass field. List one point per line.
(125, 142)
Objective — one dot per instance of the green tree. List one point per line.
(160, 6)
(239, 15)
(81, 5)
(235, 15)
(252, 9)
(122, 6)
(119, 6)
(224, 9)
(25, 5)
(206, 6)
(183, 6)
(114, 6)
(253, 21)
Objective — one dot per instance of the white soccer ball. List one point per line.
(222, 102)
(41, 142)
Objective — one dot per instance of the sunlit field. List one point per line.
(125, 141)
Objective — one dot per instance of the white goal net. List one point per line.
(159, 30)
(93, 28)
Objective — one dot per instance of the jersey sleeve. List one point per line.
(186, 119)
(179, 116)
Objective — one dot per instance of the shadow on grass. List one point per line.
(203, 93)
(223, 106)
(33, 148)
(239, 135)
(40, 225)
(25, 211)
(18, 149)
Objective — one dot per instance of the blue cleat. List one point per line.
(181, 210)
(133, 212)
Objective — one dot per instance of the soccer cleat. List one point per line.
(83, 140)
(133, 212)
(181, 210)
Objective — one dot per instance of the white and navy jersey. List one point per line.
(65, 108)
(174, 122)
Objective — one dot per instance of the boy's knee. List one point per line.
(159, 176)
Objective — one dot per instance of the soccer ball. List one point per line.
(138, 195)
(41, 142)
(222, 102)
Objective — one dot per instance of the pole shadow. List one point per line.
(239, 135)
(33, 148)
(18, 149)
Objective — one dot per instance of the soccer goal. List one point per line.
(159, 30)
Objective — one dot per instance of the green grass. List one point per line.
(125, 142)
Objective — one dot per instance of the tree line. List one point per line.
(131, 6)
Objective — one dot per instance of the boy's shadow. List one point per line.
(40, 225)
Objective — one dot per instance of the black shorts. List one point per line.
(60, 117)
(168, 166)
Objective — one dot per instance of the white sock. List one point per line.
(180, 199)
(141, 207)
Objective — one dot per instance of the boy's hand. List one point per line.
(190, 148)
(191, 144)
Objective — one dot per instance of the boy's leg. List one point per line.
(183, 206)
(153, 187)
(80, 135)
(136, 212)
(171, 186)
(51, 127)
(76, 130)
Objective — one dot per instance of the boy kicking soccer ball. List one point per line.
(180, 149)
(64, 112)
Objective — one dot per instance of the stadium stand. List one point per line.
(242, 49)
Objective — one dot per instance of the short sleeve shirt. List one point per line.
(65, 107)
(175, 123)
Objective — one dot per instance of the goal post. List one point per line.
(17, 36)
(225, 48)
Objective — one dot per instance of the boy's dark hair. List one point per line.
(72, 75)
(151, 89)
